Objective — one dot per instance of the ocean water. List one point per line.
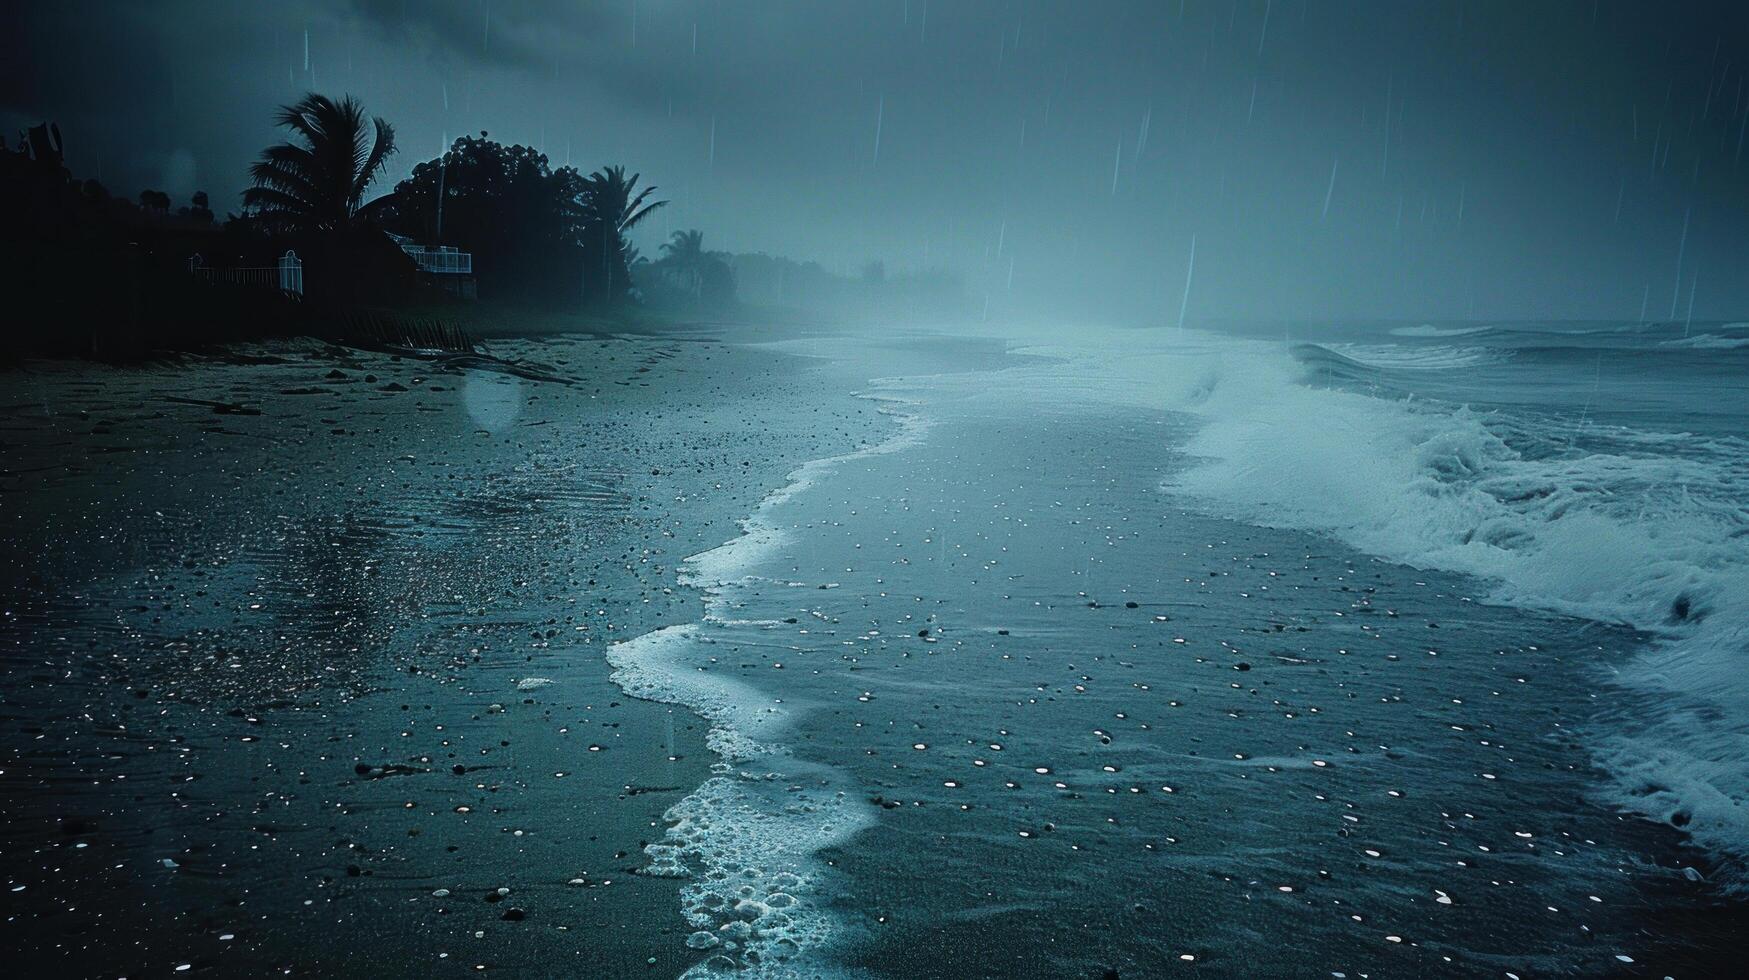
(1599, 470)
(1343, 650)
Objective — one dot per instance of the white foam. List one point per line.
(756, 888)
(1629, 533)
(1429, 330)
(1708, 341)
(729, 563)
(748, 837)
(1435, 358)
(744, 724)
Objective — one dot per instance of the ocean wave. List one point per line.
(1708, 341)
(1635, 526)
(1618, 525)
(1429, 330)
(1433, 358)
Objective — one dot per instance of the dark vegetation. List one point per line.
(102, 276)
(93, 274)
(686, 277)
(88, 273)
(553, 238)
(521, 220)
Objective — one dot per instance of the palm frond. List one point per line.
(632, 222)
(318, 179)
(283, 176)
(271, 198)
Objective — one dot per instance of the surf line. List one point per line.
(746, 839)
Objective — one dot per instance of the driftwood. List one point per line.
(430, 339)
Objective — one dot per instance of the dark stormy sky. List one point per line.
(1400, 158)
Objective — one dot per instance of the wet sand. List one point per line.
(998, 703)
(306, 660)
(301, 659)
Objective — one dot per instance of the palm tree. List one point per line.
(612, 198)
(317, 182)
(613, 205)
(685, 247)
(686, 251)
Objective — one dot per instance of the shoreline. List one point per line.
(889, 925)
(778, 920)
(355, 738)
(497, 553)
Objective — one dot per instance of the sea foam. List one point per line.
(1639, 527)
(1708, 341)
(1625, 526)
(748, 837)
(1429, 330)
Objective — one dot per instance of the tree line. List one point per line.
(538, 234)
(95, 273)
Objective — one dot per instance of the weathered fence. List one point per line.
(287, 275)
(379, 329)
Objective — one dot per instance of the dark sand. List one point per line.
(257, 616)
(1034, 717)
(265, 624)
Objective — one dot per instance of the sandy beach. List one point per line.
(1007, 694)
(302, 649)
(931, 490)
(903, 653)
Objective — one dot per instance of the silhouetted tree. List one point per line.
(317, 182)
(522, 221)
(612, 205)
(198, 210)
(717, 285)
(687, 276)
(685, 251)
(94, 274)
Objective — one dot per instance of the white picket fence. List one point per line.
(287, 275)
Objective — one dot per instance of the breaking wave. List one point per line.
(1644, 528)
(1429, 330)
(1708, 341)
(1420, 358)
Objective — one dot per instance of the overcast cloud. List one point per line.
(1403, 159)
